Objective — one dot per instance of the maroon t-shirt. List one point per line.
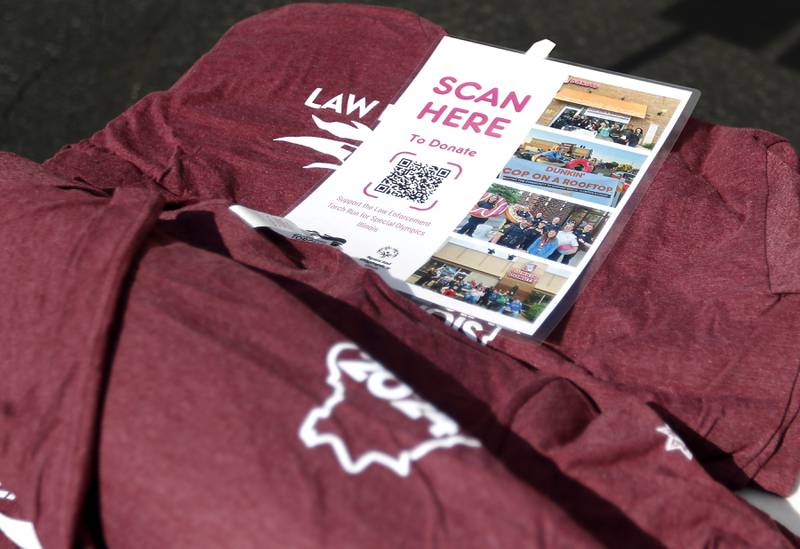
(221, 131)
(258, 367)
(692, 312)
(65, 249)
(695, 310)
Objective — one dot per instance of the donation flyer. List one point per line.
(493, 180)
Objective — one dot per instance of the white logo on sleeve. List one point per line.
(21, 532)
(6, 495)
(346, 359)
(473, 328)
(674, 442)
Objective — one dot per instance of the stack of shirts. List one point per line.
(172, 378)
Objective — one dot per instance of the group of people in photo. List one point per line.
(602, 129)
(474, 221)
(552, 239)
(456, 285)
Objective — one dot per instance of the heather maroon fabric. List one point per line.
(249, 320)
(696, 308)
(212, 135)
(606, 456)
(692, 312)
(200, 446)
(64, 250)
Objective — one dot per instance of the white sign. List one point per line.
(462, 116)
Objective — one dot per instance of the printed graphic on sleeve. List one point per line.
(339, 149)
(477, 330)
(349, 135)
(20, 532)
(6, 495)
(674, 442)
(413, 180)
(346, 361)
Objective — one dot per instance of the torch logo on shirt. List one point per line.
(346, 361)
(349, 135)
(20, 532)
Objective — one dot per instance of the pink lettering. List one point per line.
(490, 97)
(497, 124)
(460, 88)
(428, 109)
(454, 114)
(445, 82)
(517, 104)
(475, 121)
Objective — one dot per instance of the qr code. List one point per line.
(412, 180)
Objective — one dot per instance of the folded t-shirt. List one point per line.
(301, 438)
(696, 308)
(65, 249)
(289, 88)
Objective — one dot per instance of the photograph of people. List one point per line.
(526, 219)
(431, 274)
(593, 127)
(602, 111)
(514, 286)
(490, 205)
(567, 243)
(516, 234)
(545, 245)
(518, 213)
(585, 240)
(537, 230)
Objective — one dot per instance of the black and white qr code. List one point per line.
(412, 180)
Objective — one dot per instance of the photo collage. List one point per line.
(535, 226)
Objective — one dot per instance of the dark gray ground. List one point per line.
(69, 66)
